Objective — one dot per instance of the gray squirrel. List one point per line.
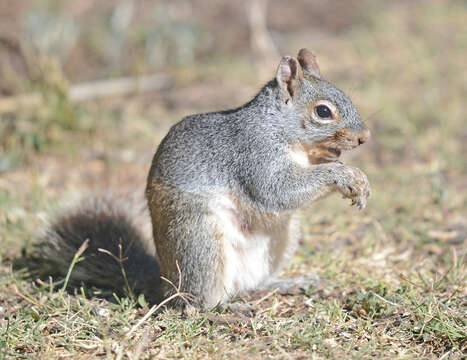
(223, 194)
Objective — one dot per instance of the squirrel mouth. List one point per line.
(331, 155)
(324, 155)
(334, 151)
(319, 153)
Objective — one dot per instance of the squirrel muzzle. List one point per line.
(348, 139)
(363, 136)
(331, 149)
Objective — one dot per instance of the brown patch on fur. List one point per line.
(249, 217)
(160, 197)
(317, 153)
(327, 150)
(343, 134)
(241, 223)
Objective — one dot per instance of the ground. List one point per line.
(393, 276)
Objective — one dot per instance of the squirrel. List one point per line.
(223, 194)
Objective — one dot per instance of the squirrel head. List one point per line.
(328, 120)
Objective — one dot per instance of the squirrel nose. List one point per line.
(364, 136)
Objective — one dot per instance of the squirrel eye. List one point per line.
(323, 112)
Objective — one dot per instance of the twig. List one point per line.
(21, 295)
(120, 259)
(383, 299)
(91, 90)
(445, 355)
(410, 282)
(118, 86)
(261, 43)
(179, 279)
(260, 38)
(141, 345)
(154, 308)
(151, 311)
(269, 294)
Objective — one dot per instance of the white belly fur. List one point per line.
(247, 262)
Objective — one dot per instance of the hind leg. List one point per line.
(194, 244)
(188, 245)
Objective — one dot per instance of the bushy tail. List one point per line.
(120, 251)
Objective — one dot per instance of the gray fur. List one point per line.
(243, 153)
(246, 148)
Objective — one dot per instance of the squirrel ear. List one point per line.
(308, 62)
(288, 72)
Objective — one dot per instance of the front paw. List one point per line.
(353, 184)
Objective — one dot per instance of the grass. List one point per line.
(394, 276)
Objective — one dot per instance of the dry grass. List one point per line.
(394, 276)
